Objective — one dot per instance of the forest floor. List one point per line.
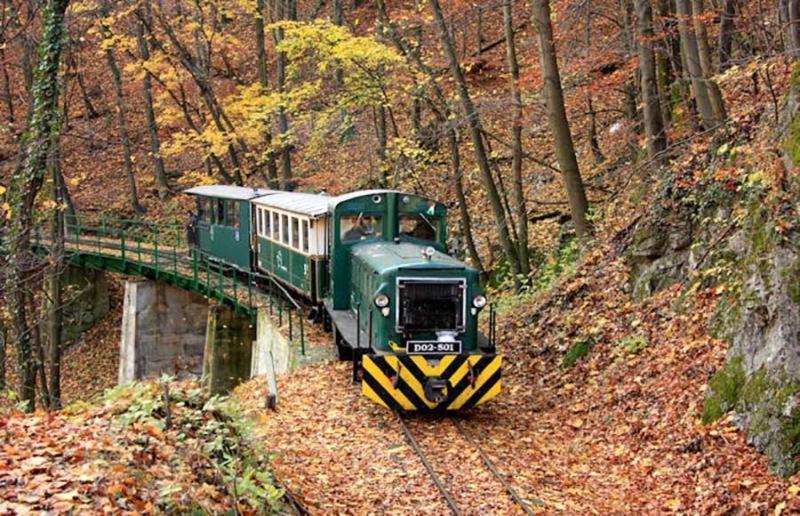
(617, 432)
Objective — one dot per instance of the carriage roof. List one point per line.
(236, 193)
(312, 205)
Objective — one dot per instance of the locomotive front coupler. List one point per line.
(436, 389)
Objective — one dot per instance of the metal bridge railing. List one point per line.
(162, 255)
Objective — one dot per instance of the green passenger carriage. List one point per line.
(224, 217)
(374, 265)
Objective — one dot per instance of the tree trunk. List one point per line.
(122, 127)
(630, 87)
(665, 72)
(557, 116)
(594, 144)
(380, 134)
(520, 205)
(88, 107)
(653, 119)
(793, 28)
(283, 121)
(26, 185)
(155, 142)
(704, 50)
(9, 101)
(53, 283)
(3, 354)
(463, 208)
(691, 56)
(476, 132)
(726, 28)
(70, 216)
(263, 80)
(379, 114)
(38, 349)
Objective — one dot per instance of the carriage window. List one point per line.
(420, 226)
(305, 236)
(295, 233)
(264, 222)
(360, 227)
(285, 229)
(219, 215)
(232, 214)
(267, 230)
(204, 210)
(274, 223)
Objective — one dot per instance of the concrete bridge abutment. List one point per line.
(163, 331)
(228, 349)
(166, 330)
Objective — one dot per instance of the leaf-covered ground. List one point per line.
(618, 431)
(150, 447)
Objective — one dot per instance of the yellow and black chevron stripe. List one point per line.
(398, 381)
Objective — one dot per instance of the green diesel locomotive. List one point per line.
(373, 264)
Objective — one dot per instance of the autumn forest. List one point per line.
(621, 175)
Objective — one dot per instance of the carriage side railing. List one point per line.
(164, 254)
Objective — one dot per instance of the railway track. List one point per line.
(441, 485)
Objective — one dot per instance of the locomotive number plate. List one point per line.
(416, 347)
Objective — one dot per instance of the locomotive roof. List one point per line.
(309, 204)
(363, 193)
(385, 255)
(237, 193)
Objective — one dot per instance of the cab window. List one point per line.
(305, 236)
(360, 227)
(420, 226)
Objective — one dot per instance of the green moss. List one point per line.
(791, 277)
(757, 390)
(765, 401)
(724, 390)
(795, 79)
(792, 141)
(577, 351)
(633, 345)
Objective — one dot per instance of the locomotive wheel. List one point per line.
(343, 351)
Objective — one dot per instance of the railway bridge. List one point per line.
(183, 310)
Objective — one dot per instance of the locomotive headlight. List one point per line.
(381, 300)
(479, 301)
(429, 252)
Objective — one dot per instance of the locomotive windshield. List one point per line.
(360, 227)
(421, 226)
(427, 305)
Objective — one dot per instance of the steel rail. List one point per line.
(490, 465)
(412, 441)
